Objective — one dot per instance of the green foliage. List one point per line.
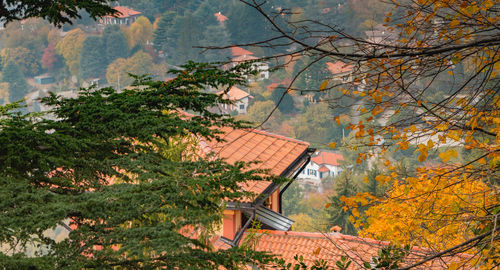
(283, 101)
(60, 170)
(317, 126)
(92, 58)
(26, 59)
(216, 35)
(343, 187)
(114, 43)
(389, 257)
(58, 12)
(13, 75)
(161, 35)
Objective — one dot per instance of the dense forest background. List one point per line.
(168, 34)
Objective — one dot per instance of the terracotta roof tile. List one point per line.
(339, 67)
(323, 169)
(220, 17)
(273, 152)
(234, 94)
(124, 12)
(331, 247)
(329, 158)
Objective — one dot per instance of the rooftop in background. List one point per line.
(325, 157)
(234, 94)
(220, 17)
(243, 58)
(238, 51)
(339, 67)
(125, 12)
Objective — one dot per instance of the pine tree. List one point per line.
(146, 218)
(343, 187)
(286, 105)
(13, 75)
(115, 45)
(161, 34)
(216, 35)
(92, 58)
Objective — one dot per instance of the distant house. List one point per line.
(220, 18)
(44, 79)
(241, 55)
(239, 98)
(126, 16)
(341, 71)
(323, 164)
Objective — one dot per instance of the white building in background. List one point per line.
(240, 100)
(241, 55)
(323, 164)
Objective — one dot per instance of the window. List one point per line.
(242, 106)
(311, 172)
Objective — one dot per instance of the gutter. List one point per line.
(309, 153)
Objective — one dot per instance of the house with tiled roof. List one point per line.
(241, 55)
(279, 156)
(220, 17)
(240, 100)
(125, 16)
(323, 164)
(340, 71)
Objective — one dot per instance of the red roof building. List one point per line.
(125, 16)
(220, 17)
(323, 164)
(279, 155)
(238, 51)
(240, 99)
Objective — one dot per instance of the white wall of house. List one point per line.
(241, 106)
(312, 175)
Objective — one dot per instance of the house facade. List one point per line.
(125, 16)
(241, 55)
(323, 164)
(240, 100)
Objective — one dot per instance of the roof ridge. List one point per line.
(276, 136)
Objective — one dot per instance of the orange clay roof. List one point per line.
(329, 247)
(243, 58)
(238, 51)
(220, 17)
(327, 158)
(323, 169)
(234, 94)
(273, 152)
(124, 12)
(272, 86)
(338, 67)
